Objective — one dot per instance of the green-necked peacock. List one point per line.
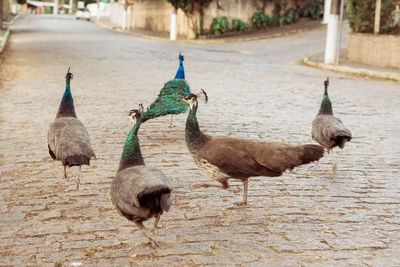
(68, 140)
(328, 130)
(227, 157)
(167, 101)
(139, 192)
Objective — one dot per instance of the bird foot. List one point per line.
(171, 126)
(240, 204)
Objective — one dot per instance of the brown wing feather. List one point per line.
(240, 157)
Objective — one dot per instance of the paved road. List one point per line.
(257, 90)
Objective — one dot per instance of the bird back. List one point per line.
(168, 101)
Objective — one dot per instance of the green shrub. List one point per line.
(260, 20)
(239, 25)
(278, 20)
(291, 16)
(219, 25)
(314, 9)
(361, 15)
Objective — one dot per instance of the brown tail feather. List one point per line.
(311, 153)
(76, 160)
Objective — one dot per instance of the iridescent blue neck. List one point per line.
(66, 108)
(180, 74)
(131, 155)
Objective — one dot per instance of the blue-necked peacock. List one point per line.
(139, 192)
(68, 140)
(167, 101)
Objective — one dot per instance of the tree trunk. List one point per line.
(201, 11)
(1, 14)
(377, 23)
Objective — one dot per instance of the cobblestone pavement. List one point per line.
(257, 90)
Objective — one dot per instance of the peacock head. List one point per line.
(181, 57)
(136, 114)
(191, 98)
(69, 75)
(326, 84)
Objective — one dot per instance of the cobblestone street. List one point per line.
(256, 89)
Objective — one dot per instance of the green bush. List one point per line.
(291, 16)
(239, 25)
(219, 25)
(314, 9)
(260, 20)
(278, 20)
(361, 15)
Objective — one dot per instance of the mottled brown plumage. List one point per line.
(328, 130)
(228, 157)
(68, 139)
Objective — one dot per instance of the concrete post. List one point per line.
(377, 23)
(55, 9)
(172, 33)
(332, 33)
(327, 11)
(123, 24)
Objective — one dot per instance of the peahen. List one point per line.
(68, 140)
(167, 101)
(227, 157)
(139, 192)
(328, 130)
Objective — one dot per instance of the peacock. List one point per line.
(167, 101)
(328, 130)
(227, 157)
(139, 192)
(68, 139)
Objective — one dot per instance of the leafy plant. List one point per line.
(260, 19)
(291, 16)
(219, 25)
(314, 9)
(239, 25)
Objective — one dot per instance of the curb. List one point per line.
(206, 41)
(5, 40)
(352, 70)
(6, 36)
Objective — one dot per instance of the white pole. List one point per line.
(327, 11)
(172, 34)
(123, 26)
(332, 34)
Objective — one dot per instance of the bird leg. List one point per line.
(171, 124)
(143, 230)
(78, 179)
(65, 172)
(245, 190)
(334, 167)
(156, 221)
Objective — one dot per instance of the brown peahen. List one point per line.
(167, 101)
(68, 139)
(227, 157)
(139, 192)
(328, 130)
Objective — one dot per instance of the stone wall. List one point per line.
(374, 50)
(155, 15)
